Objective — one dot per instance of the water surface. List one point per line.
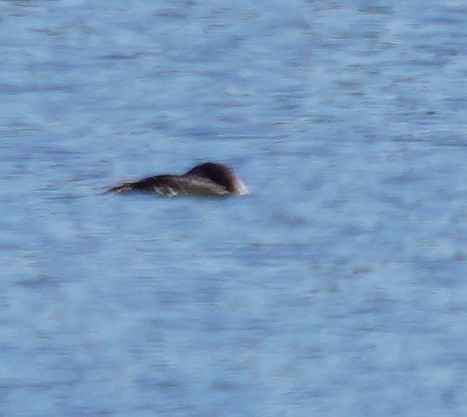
(337, 288)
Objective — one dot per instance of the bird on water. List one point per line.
(206, 179)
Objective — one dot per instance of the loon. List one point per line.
(206, 179)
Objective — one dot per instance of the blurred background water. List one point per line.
(337, 288)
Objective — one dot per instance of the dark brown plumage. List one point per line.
(207, 179)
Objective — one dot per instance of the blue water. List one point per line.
(337, 288)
